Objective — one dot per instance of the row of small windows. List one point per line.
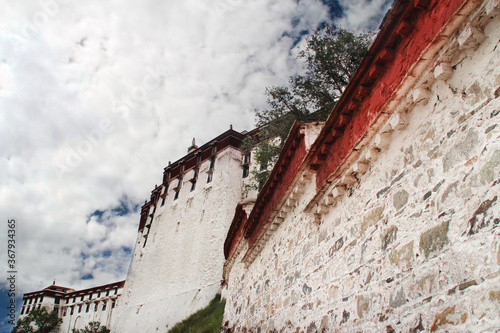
(33, 300)
(88, 306)
(193, 180)
(89, 296)
(210, 173)
(27, 309)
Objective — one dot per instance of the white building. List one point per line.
(178, 259)
(77, 308)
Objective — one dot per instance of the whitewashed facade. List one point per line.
(178, 259)
(76, 308)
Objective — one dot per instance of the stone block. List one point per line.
(443, 71)
(371, 154)
(402, 257)
(470, 38)
(398, 300)
(349, 179)
(389, 236)
(421, 96)
(337, 246)
(398, 120)
(400, 199)
(359, 167)
(462, 151)
(382, 140)
(373, 217)
(434, 239)
(362, 305)
(479, 219)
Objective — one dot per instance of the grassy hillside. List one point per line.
(207, 320)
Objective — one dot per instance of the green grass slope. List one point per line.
(207, 320)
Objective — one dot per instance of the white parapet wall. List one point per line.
(178, 269)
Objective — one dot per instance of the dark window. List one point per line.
(79, 308)
(81, 298)
(198, 158)
(87, 308)
(74, 299)
(212, 163)
(179, 182)
(95, 306)
(25, 301)
(116, 291)
(246, 171)
(56, 301)
(164, 195)
(64, 313)
(193, 185)
(31, 300)
(71, 310)
(39, 305)
(107, 293)
(112, 305)
(246, 159)
(98, 294)
(22, 310)
(176, 194)
(67, 300)
(103, 306)
(90, 296)
(210, 176)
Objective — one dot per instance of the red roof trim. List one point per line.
(235, 231)
(407, 31)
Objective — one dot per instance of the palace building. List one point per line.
(76, 307)
(383, 218)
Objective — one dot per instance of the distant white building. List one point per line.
(76, 307)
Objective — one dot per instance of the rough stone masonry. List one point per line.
(404, 236)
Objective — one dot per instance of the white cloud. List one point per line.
(363, 15)
(100, 96)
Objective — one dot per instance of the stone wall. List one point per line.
(412, 242)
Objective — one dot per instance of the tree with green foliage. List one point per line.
(37, 321)
(93, 327)
(331, 58)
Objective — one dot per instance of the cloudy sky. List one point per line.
(96, 97)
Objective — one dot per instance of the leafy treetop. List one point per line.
(37, 321)
(331, 58)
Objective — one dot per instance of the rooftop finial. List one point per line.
(54, 283)
(230, 126)
(193, 146)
